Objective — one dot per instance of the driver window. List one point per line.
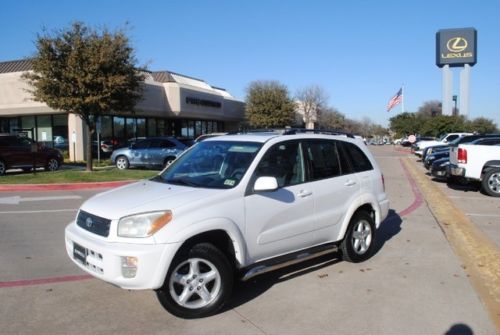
(285, 162)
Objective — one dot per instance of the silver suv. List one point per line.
(232, 206)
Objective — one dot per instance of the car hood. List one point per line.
(427, 143)
(143, 196)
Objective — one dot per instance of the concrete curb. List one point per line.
(62, 187)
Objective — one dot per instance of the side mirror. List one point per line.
(265, 184)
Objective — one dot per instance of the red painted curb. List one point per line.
(31, 282)
(62, 187)
(416, 193)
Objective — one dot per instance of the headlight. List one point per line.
(143, 225)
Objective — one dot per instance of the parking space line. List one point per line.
(32, 282)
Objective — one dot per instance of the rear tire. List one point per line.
(491, 182)
(359, 240)
(198, 283)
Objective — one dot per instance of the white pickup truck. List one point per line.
(420, 146)
(477, 162)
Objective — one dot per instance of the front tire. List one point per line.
(52, 164)
(122, 163)
(198, 283)
(359, 240)
(3, 168)
(491, 182)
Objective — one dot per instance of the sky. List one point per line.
(359, 52)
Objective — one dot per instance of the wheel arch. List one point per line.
(490, 164)
(365, 203)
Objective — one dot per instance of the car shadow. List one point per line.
(389, 228)
(244, 292)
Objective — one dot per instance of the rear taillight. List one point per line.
(462, 156)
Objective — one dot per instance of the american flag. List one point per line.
(395, 99)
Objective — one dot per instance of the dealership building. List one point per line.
(172, 104)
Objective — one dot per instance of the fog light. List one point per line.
(129, 266)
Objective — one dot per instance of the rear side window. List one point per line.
(142, 144)
(356, 157)
(323, 159)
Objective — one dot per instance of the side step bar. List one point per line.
(287, 260)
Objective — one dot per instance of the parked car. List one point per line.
(17, 152)
(61, 142)
(436, 155)
(205, 136)
(439, 167)
(476, 162)
(442, 152)
(153, 152)
(232, 205)
(424, 142)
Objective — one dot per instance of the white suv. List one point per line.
(233, 205)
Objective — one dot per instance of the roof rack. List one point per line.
(293, 131)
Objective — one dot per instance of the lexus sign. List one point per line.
(456, 47)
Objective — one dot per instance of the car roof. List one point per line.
(264, 136)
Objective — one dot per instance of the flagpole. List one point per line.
(402, 98)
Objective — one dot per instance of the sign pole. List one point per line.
(464, 90)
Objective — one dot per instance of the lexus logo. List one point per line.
(89, 222)
(457, 44)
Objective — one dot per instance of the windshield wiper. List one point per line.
(182, 181)
(158, 178)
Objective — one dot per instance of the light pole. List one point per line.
(455, 101)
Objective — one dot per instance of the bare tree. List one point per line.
(430, 108)
(331, 118)
(311, 101)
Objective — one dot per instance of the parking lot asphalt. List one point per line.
(414, 284)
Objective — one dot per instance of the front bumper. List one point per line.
(103, 259)
(454, 170)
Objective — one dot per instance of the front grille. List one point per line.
(93, 223)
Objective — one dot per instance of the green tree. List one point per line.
(441, 124)
(482, 125)
(268, 105)
(86, 72)
(405, 124)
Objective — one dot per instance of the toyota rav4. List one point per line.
(232, 206)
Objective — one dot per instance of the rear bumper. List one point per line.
(454, 170)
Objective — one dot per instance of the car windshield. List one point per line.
(211, 164)
(442, 137)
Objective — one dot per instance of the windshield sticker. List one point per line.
(229, 182)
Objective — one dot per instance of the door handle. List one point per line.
(349, 182)
(304, 193)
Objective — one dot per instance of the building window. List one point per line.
(152, 127)
(140, 128)
(60, 131)
(106, 127)
(44, 129)
(28, 122)
(119, 129)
